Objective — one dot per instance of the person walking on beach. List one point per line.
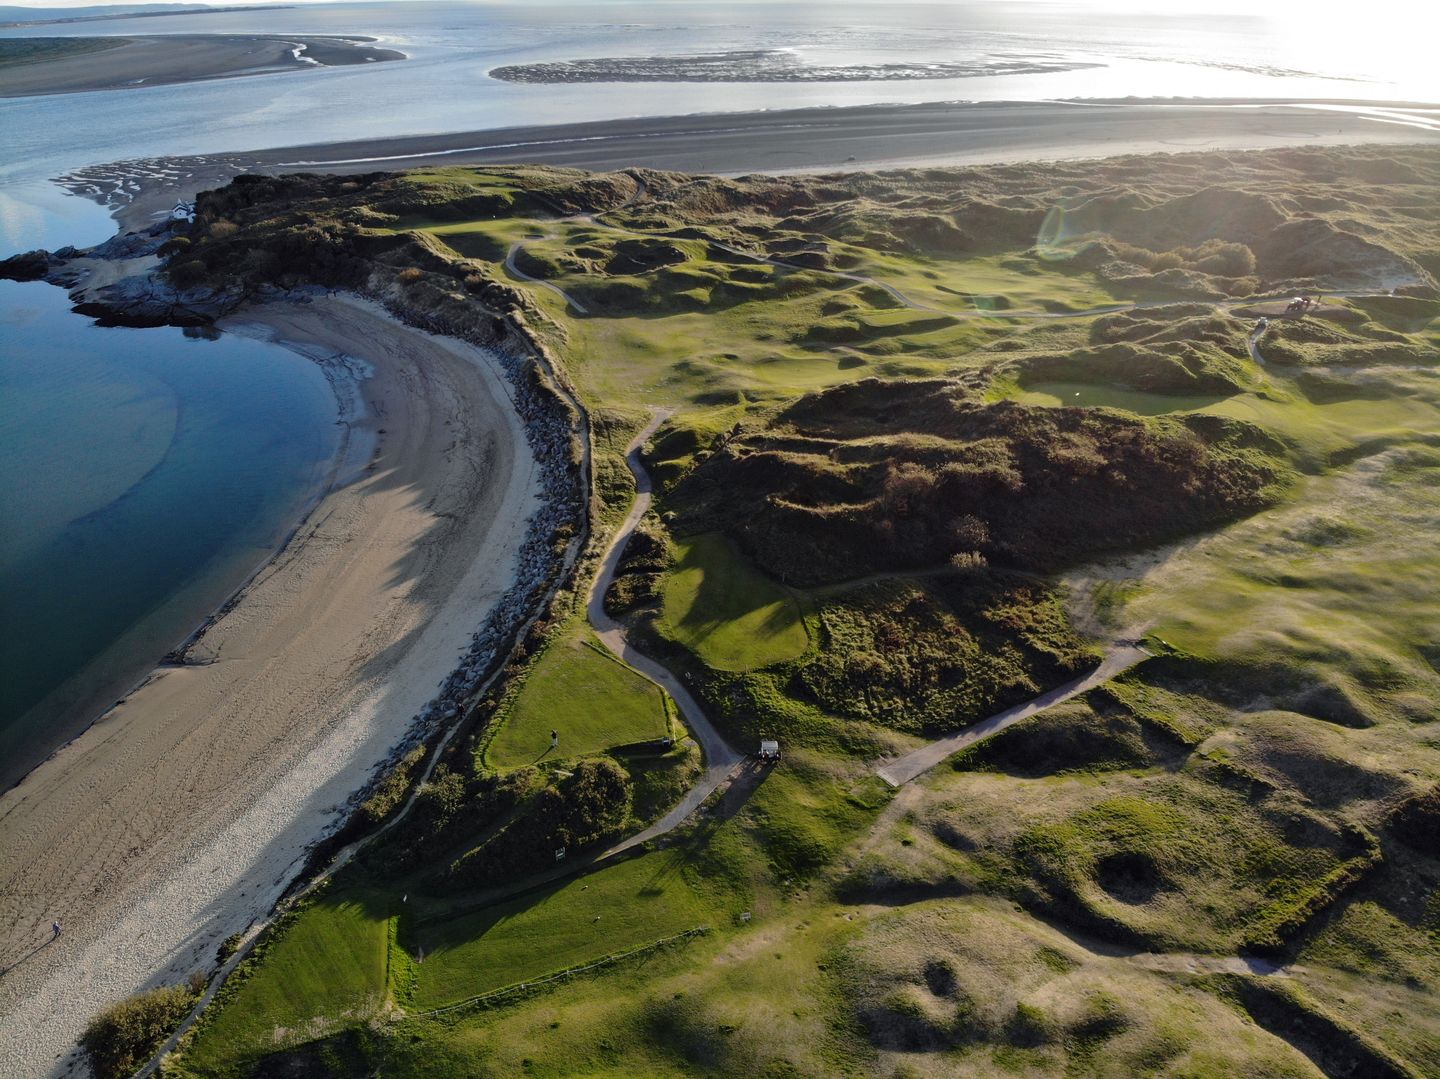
(554, 739)
(55, 928)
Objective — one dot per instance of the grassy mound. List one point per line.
(907, 475)
(730, 615)
(899, 656)
(592, 699)
(972, 984)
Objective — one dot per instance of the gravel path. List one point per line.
(901, 770)
(721, 760)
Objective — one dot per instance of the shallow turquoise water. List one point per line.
(144, 474)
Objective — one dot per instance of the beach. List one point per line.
(796, 140)
(182, 814)
(131, 62)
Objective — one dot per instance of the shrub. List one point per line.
(123, 1036)
(408, 275)
(591, 804)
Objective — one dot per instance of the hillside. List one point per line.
(930, 445)
(882, 476)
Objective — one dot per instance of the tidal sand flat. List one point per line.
(791, 140)
(773, 65)
(184, 811)
(75, 65)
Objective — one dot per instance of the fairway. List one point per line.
(612, 910)
(592, 700)
(726, 611)
(327, 971)
(1093, 395)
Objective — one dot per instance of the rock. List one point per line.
(29, 266)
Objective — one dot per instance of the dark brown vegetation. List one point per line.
(883, 476)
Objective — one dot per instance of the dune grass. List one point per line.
(591, 698)
(327, 970)
(612, 910)
(728, 612)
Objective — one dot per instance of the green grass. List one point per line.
(726, 611)
(1340, 579)
(327, 971)
(1090, 395)
(592, 699)
(612, 910)
(984, 283)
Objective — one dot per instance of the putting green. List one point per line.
(593, 700)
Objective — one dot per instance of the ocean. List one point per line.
(144, 473)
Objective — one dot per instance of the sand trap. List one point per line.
(178, 818)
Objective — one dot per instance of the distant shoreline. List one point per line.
(842, 139)
(198, 9)
(132, 62)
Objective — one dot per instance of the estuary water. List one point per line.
(144, 473)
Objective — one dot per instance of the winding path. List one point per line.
(901, 770)
(721, 760)
(580, 309)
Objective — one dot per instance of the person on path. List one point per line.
(55, 928)
(554, 739)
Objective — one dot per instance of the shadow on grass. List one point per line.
(687, 845)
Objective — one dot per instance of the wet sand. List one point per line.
(179, 817)
(156, 61)
(796, 140)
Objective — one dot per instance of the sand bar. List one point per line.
(172, 58)
(178, 818)
(796, 140)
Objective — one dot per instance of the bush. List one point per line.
(124, 1036)
(591, 804)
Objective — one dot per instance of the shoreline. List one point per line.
(174, 658)
(145, 912)
(134, 61)
(839, 138)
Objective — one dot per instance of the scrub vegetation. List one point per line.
(941, 439)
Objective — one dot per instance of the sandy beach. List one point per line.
(180, 816)
(795, 140)
(174, 58)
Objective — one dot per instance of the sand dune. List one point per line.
(178, 818)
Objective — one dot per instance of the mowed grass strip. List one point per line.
(327, 971)
(594, 701)
(584, 919)
(725, 610)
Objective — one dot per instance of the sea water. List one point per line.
(144, 475)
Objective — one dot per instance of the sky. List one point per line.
(1406, 15)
